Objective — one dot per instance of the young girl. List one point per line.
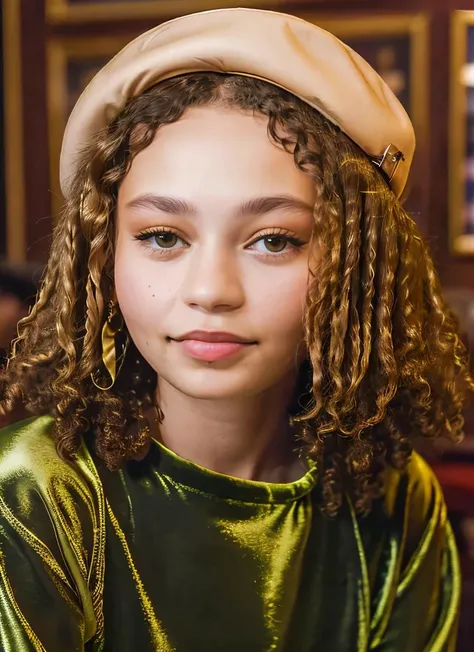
(238, 337)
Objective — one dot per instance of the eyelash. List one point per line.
(146, 235)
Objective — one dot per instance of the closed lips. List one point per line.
(213, 336)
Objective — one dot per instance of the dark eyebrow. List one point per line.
(254, 207)
(165, 204)
(263, 205)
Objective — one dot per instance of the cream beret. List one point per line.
(281, 49)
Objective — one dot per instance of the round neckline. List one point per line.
(201, 479)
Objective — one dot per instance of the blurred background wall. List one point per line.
(424, 49)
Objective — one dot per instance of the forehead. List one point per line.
(226, 151)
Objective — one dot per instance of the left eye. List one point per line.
(166, 239)
(275, 244)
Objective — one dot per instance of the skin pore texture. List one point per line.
(214, 223)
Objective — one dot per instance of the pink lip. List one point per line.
(211, 351)
(212, 336)
(212, 346)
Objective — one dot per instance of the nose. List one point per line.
(213, 282)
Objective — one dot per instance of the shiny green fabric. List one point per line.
(165, 555)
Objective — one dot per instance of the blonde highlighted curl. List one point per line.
(385, 360)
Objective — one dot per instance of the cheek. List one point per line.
(141, 292)
(281, 306)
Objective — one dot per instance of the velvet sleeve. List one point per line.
(417, 605)
(51, 552)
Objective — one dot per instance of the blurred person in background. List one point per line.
(12, 310)
(17, 295)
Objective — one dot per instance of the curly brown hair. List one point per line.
(385, 361)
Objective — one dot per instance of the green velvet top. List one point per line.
(166, 555)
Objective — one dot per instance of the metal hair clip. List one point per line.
(389, 161)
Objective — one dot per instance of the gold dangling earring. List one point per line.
(113, 363)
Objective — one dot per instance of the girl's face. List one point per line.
(213, 235)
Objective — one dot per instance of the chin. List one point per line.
(211, 384)
(212, 390)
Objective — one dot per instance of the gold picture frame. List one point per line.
(80, 11)
(13, 134)
(461, 135)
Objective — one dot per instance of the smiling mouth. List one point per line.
(213, 337)
(212, 346)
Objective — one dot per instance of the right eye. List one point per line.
(161, 240)
(166, 240)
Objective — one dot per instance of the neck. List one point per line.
(248, 438)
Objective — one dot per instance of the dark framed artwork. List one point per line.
(397, 47)
(77, 11)
(72, 63)
(461, 164)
